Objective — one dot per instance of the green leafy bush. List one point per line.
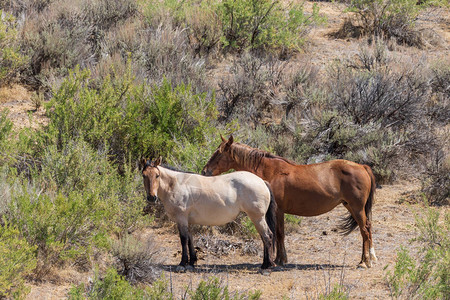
(213, 289)
(11, 59)
(114, 286)
(264, 24)
(5, 130)
(132, 120)
(70, 206)
(17, 260)
(425, 275)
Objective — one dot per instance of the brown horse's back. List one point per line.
(311, 190)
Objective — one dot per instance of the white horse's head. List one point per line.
(151, 175)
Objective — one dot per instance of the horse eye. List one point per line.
(157, 176)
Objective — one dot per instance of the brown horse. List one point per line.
(306, 190)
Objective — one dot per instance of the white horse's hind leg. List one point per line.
(267, 238)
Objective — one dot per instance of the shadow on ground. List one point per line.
(255, 268)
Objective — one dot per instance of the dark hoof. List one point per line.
(180, 269)
(265, 272)
(361, 266)
(278, 269)
(190, 268)
(280, 263)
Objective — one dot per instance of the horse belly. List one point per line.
(212, 216)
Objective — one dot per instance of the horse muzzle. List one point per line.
(206, 172)
(152, 199)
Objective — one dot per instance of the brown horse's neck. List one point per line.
(255, 161)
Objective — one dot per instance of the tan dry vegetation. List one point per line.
(17, 100)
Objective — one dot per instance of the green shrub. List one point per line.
(132, 120)
(17, 260)
(425, 275)
(264, 24)
(114, 286)
(213, 289)
(5, 130)
(337, 293)
(70, 206)
(11, 59)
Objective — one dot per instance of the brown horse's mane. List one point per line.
(252, 157)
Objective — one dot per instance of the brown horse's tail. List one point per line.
(349, 223)
(271, 215)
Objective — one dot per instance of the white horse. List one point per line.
(195, 199)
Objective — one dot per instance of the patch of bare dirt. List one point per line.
(22, 112)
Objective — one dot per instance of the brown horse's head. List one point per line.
(221, 161)
(151, 176)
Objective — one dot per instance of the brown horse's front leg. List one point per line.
(281, 258)
(184, 237)
(192, 254)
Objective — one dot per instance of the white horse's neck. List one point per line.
(170, 182)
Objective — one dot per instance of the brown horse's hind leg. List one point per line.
(362, 221)
(281, 258)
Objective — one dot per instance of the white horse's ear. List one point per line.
(158, 161)
(223, 139)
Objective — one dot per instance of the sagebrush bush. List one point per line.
(57, 39)
(199, 20)
(11, 58)
(17, 260)
(68, 208)
(436, 180)
(252, 89)
(135, 259)
(388, 19)
(425, 275)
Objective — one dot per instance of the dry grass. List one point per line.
(14, 92)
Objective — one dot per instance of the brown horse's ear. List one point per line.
(157, 161)
(229, 142)
(223, 139)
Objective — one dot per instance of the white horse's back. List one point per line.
(213, 200)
